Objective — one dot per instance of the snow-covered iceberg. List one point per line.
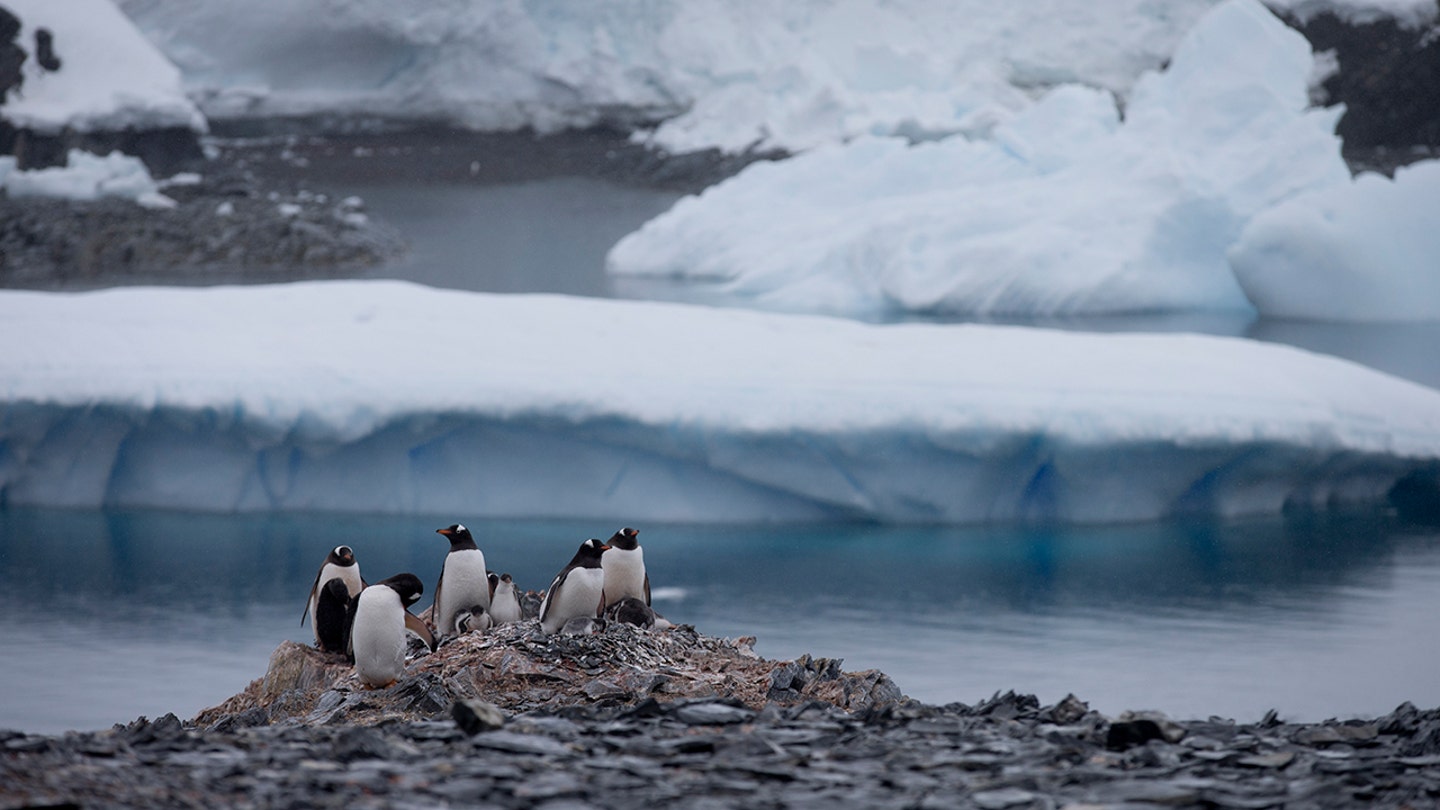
(391, 397)
(111, 78)
(1067, 210)
(733, 74)
(1363, 251)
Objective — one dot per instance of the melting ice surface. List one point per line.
(392, 397)
(129, 613)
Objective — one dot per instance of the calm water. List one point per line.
(114, 615)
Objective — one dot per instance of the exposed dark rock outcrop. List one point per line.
(1389, 82)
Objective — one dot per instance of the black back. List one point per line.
(588, 556)
(333, 616)
(408, 586)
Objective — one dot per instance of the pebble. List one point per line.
(996, 755)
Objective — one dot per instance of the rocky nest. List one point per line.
(673, 718)
(519, 668)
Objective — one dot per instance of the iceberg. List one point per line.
(1068, 209)
(1361, 251)
(379, 396)
(111, 78)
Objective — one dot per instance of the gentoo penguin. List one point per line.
(463, 581)
(630, 610)
(377, 638)
(578, 590)
(332, 616)
(624, 568)
(504, 602)
(473, 618)
(339, 564)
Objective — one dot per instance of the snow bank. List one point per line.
(1067, 210)
(111, 77)
(86, 177)
(1363, 251)
(385, 396)
(719, 73)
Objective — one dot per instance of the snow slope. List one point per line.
(110, 78)
(386, 396)
(1066, 210)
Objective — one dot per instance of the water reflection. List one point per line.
(124, 613)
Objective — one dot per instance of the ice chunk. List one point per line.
(88, 177)
(1365, 251)
(385, 396)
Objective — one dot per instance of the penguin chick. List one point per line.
(339, 564)
(624, 568)
(578, 590)
(474, 618)
(377, 638)
(463, 581)
(504, 602)
(333, 616)
(631, 611)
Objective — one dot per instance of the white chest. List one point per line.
(624, 574)
(505, 607)
(578, 595)
(463, 582)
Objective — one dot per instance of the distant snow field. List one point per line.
(392, 397)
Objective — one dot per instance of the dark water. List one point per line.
(114, 615)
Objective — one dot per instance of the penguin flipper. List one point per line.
(647, 589)
(419, 628)
(435, 609)
(554, 584)
(314, 589)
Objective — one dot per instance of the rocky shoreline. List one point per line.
(673, 718)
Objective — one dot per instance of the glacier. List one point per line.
(1069, 209)
(382, 396)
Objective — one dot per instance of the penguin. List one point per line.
(339, 564)
(474, 618)
(624, 568)
(377, 639)
(631, 610)
(504, 602)
(332, 616)
(578, 590)
(463, 580)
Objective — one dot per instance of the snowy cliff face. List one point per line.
(710, 73)
(349, 396)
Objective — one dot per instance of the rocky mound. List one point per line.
(519, 668)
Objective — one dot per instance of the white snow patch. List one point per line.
(111, 77)
(358, 396)
(86, 177)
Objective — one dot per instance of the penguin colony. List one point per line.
(371, 623)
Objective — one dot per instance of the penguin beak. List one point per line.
(604, 549)
(445, 532)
